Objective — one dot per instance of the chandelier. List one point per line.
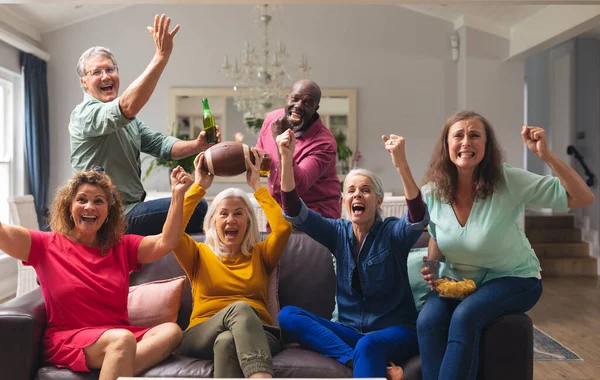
(261, 75)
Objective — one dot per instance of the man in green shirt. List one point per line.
(105, 131)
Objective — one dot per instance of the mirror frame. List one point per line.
(208, 92)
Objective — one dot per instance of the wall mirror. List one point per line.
(337, 110)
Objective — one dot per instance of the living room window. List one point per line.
(12, 143)
(6, 122)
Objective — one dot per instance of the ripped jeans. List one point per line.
(236, 340)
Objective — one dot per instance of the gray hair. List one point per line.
(93, 52)
(378, 185)
(251, 236)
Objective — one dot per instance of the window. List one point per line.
(12, 143)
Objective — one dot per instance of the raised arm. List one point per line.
(137, 94)
(395, 145)
(275, 243)
(578, 193)
(286, 143)
(15, 241)
(156, 246)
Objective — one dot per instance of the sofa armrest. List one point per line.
(506, 350)
(22, 323)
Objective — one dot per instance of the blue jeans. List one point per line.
(449, 331)
(147, 218)
(369, 352)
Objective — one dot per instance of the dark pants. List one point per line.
(369, 352)
(147, 218)
(236, 340)
(449, 331)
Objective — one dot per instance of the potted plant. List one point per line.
(344, 153)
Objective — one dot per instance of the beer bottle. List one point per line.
(209, 123)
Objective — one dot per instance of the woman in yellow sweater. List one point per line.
(229, 274)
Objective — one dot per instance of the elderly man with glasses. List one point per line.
(105, 131)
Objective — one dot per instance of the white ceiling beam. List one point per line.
(22, 44)
(13, 20)
(551, 26)
(482, 24)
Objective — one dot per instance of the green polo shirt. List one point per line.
(493, 236)
(102, 136)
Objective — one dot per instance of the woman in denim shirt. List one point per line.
(376, 308)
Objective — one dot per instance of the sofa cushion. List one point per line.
(419, 287)
(295, 362)
(155, 302)
(306, 277)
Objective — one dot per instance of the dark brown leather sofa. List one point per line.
(306, 279)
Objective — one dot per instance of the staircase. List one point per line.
(559, 247)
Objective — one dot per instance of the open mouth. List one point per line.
(466, 154)
(106, 88)
(88, 219)
(295, 117)
(358, 209)
(231, 233)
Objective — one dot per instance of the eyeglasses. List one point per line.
(110, 70)
(98, 169)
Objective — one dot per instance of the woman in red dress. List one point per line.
(83, 268)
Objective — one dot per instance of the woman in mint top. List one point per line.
(475, 202)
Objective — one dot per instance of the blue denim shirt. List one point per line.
(384, 298)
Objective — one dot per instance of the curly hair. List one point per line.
(60, 218)
(443, 174)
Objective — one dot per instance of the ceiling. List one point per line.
(511, 19)
(34, 19)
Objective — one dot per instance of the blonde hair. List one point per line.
(60, 219)
(251, 236)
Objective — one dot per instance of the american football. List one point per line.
(226, 159)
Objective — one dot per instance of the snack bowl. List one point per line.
(454, 280)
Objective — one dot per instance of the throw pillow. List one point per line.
(420, 288)
(156, 302)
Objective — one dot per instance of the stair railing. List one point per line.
(572, 151)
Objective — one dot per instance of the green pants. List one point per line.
(236, 340)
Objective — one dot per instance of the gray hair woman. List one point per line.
(229, 274)
(376, 310)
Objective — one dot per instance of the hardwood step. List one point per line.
(553, 235)
(549, 221)
(568, 266)
(580, 249)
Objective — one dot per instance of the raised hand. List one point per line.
(395, 146)
(180, 181)
(202, 139)
(203, 178)
(163, 39)
(286, 143)
(535, 139)
(280, 125)
(253, 172)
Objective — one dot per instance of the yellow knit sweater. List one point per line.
(216, 283)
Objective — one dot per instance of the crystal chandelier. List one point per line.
(261, 75)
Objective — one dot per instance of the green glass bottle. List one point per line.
(209, 123)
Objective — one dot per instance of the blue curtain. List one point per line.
(37, 145)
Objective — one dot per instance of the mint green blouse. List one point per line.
(493, 236)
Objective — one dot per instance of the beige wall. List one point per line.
(399, 60)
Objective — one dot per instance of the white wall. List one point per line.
(494, 88)
(9, 57)
(399, 61)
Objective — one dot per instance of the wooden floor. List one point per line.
(569, 311)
